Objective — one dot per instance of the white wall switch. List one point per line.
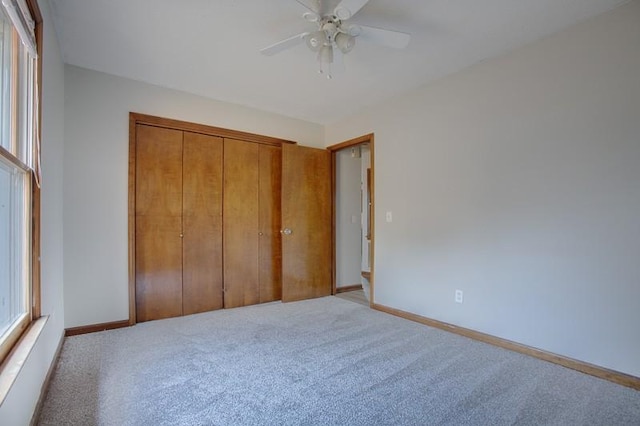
(389, 217)
(459, 296)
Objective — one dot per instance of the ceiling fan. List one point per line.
(335, 35)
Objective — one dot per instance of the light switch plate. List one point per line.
(389, 217)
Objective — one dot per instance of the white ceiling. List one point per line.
(211, 47)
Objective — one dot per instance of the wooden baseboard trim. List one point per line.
(47, 383)
(84, 329)
(581, 366)
(345, 289)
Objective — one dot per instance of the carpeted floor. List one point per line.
(318, 362)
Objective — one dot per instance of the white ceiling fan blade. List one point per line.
(389, 38)
(283, 44)
(312, 5)
(347, 8)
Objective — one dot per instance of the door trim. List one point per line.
(368, 139)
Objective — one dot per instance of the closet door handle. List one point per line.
(181, 235)
(260, 233)
(286, 231)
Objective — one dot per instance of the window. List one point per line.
(14, 247)
(19, 156)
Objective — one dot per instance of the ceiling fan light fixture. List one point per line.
(325, 55)
(316, 40)
(345, 42)
(325, 58)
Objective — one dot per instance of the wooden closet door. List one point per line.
(202, 223)
(240, 207)
(270, 240)
(158, 226)
(306, 213)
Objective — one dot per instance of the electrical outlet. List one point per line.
(459, 296)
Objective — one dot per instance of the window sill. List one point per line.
(12, 366)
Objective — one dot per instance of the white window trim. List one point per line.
(18, 12)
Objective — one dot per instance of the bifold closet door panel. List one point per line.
(240, 224)
(202, 223)
(158, 226)
(270, 253)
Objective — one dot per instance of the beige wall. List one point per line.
(96, 171)
(17, 409)
(517, 181)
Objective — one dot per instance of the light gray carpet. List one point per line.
(319, 362)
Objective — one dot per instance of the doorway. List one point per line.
(353, 218)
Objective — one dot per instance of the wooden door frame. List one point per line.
(134, 120)
(365, 139)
